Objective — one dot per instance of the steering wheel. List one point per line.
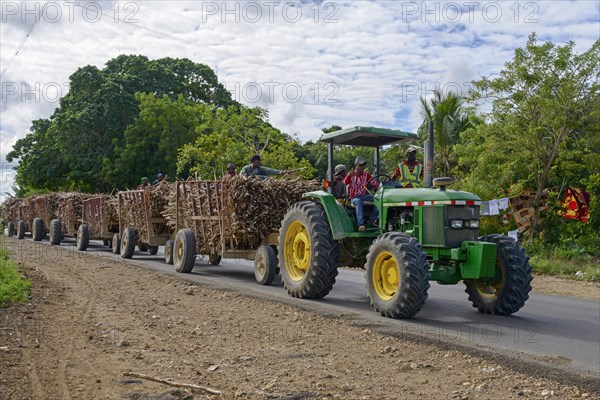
(377, 179)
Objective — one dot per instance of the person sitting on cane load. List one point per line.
(230, 171)
(338, 187)
(255, 168)
(145, 183)
(357, 181)
(410, 170)
(159, 178)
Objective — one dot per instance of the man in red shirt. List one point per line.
(357, 181)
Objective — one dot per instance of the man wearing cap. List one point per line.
(230, 171)
(159, 177)
(410, 170)
(256, 169)
(357, 181)
(338, 187)
(145, 183)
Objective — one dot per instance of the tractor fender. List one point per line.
(339, 221)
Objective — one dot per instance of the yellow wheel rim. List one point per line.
(487, 289)
(261, 265)
(386, 276)
(179, 251)
(296, 251)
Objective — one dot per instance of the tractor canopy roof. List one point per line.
(368, 136)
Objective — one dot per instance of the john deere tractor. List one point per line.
(422, 234)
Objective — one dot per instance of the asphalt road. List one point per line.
(559, 331)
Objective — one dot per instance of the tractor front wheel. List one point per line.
(308, 254)
(507, 292)
(397, 275)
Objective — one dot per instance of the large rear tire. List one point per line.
(397, 274)
(309, 256)
(128, 242)
(38, 229)
(265, 265)
(55, 232)
(11, 229)
(184, 251)
(169, 252)
(20, 229)
(116, 244)
(83, 237)
(507, 292)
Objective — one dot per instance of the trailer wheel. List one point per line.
(38, 229)
(169, 252)
(397, 274)
(11, 229)
(128, 243)
(308, 254)
(55, 232)
(116, 244)
(142, 247)
(184, 251)
(20, 229)
(106, 242)
(153, 250)
(83, 237)
(214, 259)
(265, 265)
(508, 291)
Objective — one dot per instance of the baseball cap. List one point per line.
(339, 168)
(230, 165)
(359, 161)
(411, 149)
(160, 174)
(255, 158)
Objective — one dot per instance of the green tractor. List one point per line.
(422, 234)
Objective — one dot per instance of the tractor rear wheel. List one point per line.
(55, 232)
(11, 229)
(265, 265)
(169, 252)
(507, 292)
(38, 229)
(184, 251)
(20, 229)
(83, 237)
(397, 275)
(308, 254)
(128, 243)
(116, 244)
(153, 250)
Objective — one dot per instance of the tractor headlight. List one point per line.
(456, 223)
(474, 224)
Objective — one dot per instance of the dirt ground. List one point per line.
(92, 319)
(566, 287)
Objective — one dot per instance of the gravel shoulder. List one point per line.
(92, 319)
(566, 287)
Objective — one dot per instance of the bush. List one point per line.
(14, 287)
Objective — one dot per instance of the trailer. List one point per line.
(139, 224)
(68, 218)
(16, 217)
(42, 210)
(99, 222)
(203, 227)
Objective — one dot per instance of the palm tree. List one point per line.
(449, 120)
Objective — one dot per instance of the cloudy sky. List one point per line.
(310, 63)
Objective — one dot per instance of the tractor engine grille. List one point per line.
(436, 225)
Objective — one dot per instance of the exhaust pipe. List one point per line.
(428, 172)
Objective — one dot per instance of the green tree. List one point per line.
(545, 97)
(449, 118)
(233, 135)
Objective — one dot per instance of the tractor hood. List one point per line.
(398, 197)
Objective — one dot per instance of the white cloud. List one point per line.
(382, 56)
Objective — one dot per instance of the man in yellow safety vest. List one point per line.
(410, 170)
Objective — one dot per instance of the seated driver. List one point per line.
(357, 181)
(410, 171)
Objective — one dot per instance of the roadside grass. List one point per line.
(566, 259)
(14, 288)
